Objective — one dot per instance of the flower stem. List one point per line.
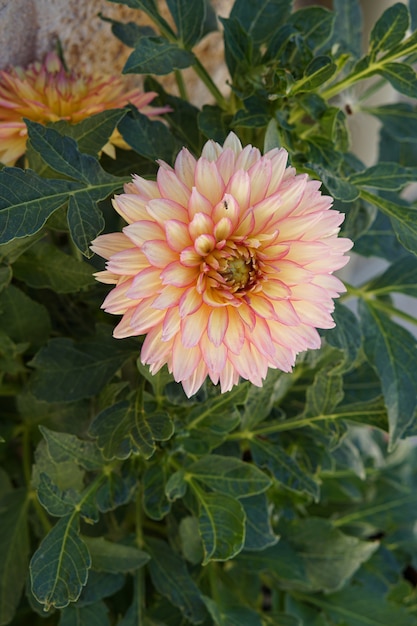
(181, 85)
(392, 310)
(204, 76)
(277, 427)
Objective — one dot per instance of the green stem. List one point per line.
(40, 512)
(361, 292)
(277, 427)
(369, 71)
(205, 77)
(392, 310)
(181, 85)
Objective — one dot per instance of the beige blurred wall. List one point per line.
(30, 28)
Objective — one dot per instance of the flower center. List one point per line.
(240, 271)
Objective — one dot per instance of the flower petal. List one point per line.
(177, 234)
(208, 181)
(178, 275)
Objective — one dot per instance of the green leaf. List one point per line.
(371, 411)
(233, 616)
(107, 556)
(5, 276)
(333, 122)
(96, 614)
(400, 277)
(10, 252)
(278, 43)
(154, 55)
(125, 428)
(346, 336)
(191, 544)
(176, 486)
(330, 557)
(92, 133)
(261, 400)
(389, 29)
(276, 618)
(44, 266)
(66, 447)
(391, 350)
(322, 152)
(389, 176)
(379, 240)
(238, 46)
(59, 567)
(60, 153)
(189, 18)
(272, 139)
(402, 77)
(254, 115)
(360, 606)
(339, 188)
(182, 118)
(325, 393)
(348, 26)
(100, 585)
(399, 119)
(280, 560)
(171, 578)
(11, 361)
(65, 475)
(67, 371)
(224, 403)
(317, 72)
(155, 501)
(150, 8)
(115, 491)
(27, 200)
(259, 534)
(222, 526)
(151, 139)
(57, 502)
(85, 221)
(283, 467)
(129, 33)
(228, 475)
(213, 122)
(315, 24)
(310, 556)
(14, 551)
(25, 320)
(403, 219)
(262, 18)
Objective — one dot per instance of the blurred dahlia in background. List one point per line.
(226, 264)
(48, 92)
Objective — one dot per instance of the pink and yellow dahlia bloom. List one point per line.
(226, 265)
(47, 92)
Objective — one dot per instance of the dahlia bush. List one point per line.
(206, 418)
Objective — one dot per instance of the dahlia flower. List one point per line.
(226, 265)
(47, 92)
